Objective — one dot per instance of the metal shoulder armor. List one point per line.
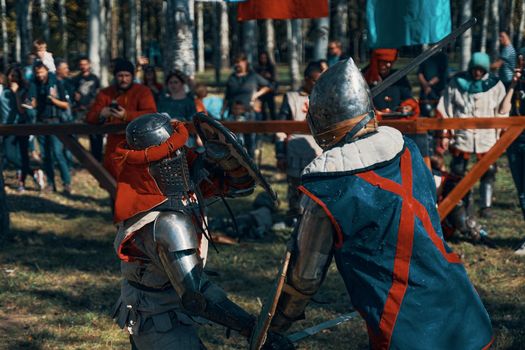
(177, 246)
(176, 231)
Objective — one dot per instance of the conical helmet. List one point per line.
(340, 104)
(148, 130)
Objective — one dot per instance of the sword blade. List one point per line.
(422, 57)
(295, 337)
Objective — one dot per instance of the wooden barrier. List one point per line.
(478, 170)
(286, 126)
(96, 169)
(514, 126)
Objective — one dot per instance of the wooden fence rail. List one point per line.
(286, 126)
(514, 126)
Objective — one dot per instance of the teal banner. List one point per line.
(396, 23)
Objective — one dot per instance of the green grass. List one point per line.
(59, 275)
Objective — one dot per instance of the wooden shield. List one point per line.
(268, 309)
(211, 131)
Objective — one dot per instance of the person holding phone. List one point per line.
(121, 102)
(48, 98)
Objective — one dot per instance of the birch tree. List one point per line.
(320, 32)
(270, 39)
(94, 36)
(138, 39)
(29, 19)
(3, 27)
(495, 28)
(249, 40)
(466, 38)
(179, 27)
(235, 43)
(521, 29)
(484, 26)
(132, 32)
(63, 28)
(113, 6)
(200, 37)
(44, 20)
(340, 29)
(225, 34)
(510, 18)
(216, 36)
(22, 32)
(293, 28)
(163, 35)
(104, 52)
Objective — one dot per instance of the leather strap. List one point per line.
(338, 131)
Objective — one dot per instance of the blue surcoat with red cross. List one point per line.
(410, 288)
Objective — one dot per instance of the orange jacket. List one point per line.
(137, 100)
(137, 190)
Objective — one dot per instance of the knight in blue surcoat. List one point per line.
(370, 201)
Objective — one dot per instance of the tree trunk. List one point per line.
(225, 35)
(164, 37)
(466, 39)
(29, 20)
(249, 40)
(495, 29)
(113, 7)
(104, 52)
(511, 13)
(293, 26)
(131, 42)
(180, 53)
(216, 36)
(44, 21)
(94, 36)
(22, 32)
(354, 30)
(520, 34)
(270, 39)
(234, 30)
(3, 27)
(340, 30)
(138, 23)
(63, 28)
(304, 25)
(200, 37)
(320, 32)
(484, 26)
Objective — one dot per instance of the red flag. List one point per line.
(282, 9)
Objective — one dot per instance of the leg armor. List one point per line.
(312, 251)
(176, 239)
(486, 186)
(457, 219)
(458, 165)
(458, 168)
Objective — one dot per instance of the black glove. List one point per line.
(276, 341)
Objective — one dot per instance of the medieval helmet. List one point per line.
(340, 104)
(148, 130)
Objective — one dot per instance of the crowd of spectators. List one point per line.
(44, 91)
